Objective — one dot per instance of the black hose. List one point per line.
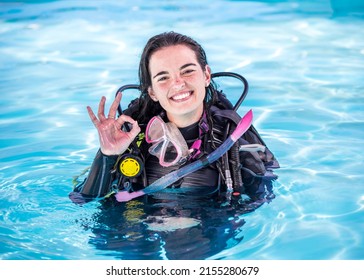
(234, 162)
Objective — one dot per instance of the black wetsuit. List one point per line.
(103, 177)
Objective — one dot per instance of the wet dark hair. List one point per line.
(147, 107)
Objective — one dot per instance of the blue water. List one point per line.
(304, 61)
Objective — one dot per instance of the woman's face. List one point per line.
(178, 83)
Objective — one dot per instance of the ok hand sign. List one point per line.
(113, 140)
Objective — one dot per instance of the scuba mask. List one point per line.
(167, 142)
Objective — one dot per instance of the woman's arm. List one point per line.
(99, 180)
(113, 142)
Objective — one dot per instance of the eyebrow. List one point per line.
(181, 68)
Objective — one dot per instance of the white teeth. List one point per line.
(181, 96)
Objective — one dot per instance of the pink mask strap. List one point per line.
(196, 148)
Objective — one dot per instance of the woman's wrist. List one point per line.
(108, 155)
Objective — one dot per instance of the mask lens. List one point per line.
(156, 149)
(171, 153)
(155, 130)
(165, 151)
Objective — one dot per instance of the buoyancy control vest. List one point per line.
(243, 164)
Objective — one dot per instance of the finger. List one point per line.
(135, 126)
(93, 118)
(124, 118)
(135, 129)
(101, 111)
(114, 106)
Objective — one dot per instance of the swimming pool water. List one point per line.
(304, 63)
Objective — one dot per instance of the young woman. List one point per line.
(179, 117)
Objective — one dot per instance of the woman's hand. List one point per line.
(113, 140)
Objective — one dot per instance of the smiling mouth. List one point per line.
(182, 96)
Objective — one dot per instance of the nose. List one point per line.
(178, 82)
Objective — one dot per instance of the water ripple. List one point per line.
(304, 67)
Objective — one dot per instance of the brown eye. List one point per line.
(188, 71)
(163, 78)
